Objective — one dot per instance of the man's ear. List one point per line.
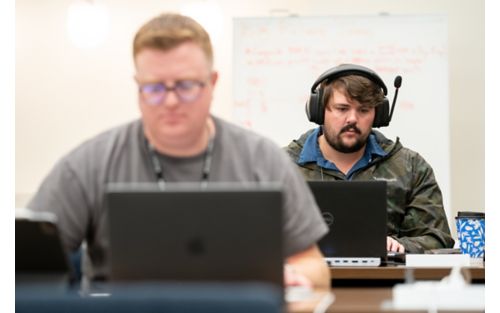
(214, 77)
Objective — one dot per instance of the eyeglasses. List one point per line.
(187, 91)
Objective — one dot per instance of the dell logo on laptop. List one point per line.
(328, 217)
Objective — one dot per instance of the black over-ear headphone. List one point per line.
(315, 108)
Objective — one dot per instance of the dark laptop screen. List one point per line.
(185, 232)
(356, 213)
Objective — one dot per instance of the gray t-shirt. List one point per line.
(74, 189)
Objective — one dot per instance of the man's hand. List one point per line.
(394, 246)
(307, 268)
(294, 278)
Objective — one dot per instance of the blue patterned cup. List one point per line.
(470, 230)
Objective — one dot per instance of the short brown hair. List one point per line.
(169, 30)
(355, 87)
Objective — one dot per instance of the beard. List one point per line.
(336, 142)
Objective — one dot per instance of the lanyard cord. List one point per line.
(158, 170)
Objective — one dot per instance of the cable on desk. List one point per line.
(324, 303)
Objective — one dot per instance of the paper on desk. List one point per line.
(299, 293)
(304, 299)
(437, 260)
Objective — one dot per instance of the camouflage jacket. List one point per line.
(415, 213)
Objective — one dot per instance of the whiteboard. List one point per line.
(277, 59)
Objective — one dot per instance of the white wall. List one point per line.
(65, 95)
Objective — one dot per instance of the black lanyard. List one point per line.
(205, 172)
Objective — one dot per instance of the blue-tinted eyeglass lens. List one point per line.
(153, 93)
(153, 88)
(188, 90)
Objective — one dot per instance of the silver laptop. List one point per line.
(356, 214)
(184, 232)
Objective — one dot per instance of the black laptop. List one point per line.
(356, 214)
(186, 232)
(40, 255)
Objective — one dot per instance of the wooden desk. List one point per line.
(390, 275)
(358, 300)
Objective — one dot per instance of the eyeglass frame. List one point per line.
(175, 89)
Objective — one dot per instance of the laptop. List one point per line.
(186, 232)
(40, 255)
(356, 214)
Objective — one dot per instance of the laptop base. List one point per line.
(337, 261)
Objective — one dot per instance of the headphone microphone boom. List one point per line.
(397, 83)
(315, 108)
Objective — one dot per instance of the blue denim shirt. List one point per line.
(311, 153)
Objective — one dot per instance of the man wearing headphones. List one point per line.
(347, 101)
